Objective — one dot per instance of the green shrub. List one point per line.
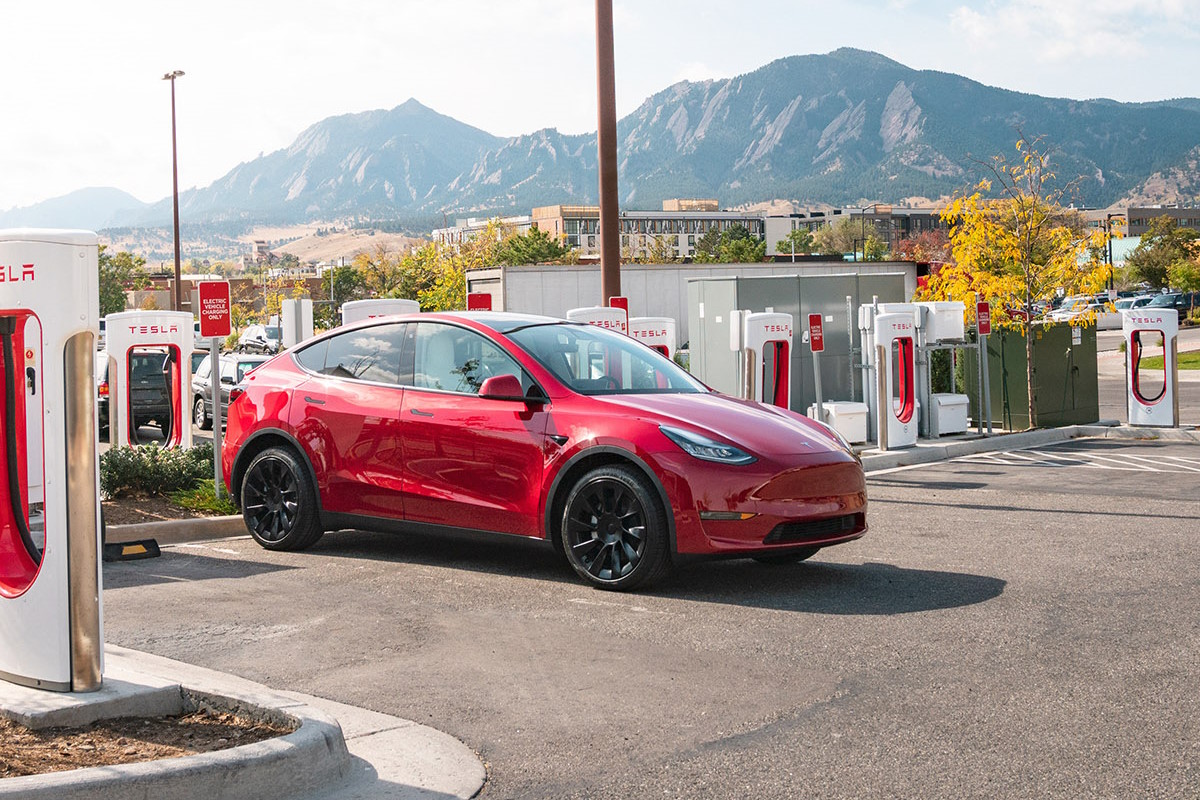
(154, 470)
(202, 498)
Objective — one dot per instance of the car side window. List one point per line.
(455, 359)
(204, 368)
(365, 354)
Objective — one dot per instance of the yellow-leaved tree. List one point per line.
(1015, 245)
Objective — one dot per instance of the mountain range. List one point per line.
(841, 128)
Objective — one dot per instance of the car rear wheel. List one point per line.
(200, 415)
(790, 557)
(279, 502)
(614, 529)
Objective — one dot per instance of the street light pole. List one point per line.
(171, 76)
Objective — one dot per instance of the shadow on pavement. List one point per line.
(175, 565)
(813, 587)
(809, 587)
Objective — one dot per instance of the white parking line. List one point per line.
(1125, 462)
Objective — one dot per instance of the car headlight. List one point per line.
(706, 449)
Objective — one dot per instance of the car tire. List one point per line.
(279, 501)
(200, 415)
(614, 529)
(790, 557)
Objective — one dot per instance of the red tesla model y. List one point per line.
(535, 427)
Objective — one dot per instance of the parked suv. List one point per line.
(1183, 302)
(260, 339)
(234, 367)
(149, 395)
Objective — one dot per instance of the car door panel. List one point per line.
(469, 461)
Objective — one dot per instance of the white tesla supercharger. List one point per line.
(358, 310)
(766, 344)
(1152, 395)
(167, 337)
(296, 321)
(659, 333)
(50, 606)
(613, 319)
(896, 393)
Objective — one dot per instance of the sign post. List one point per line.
(983, 327)
(216, 321)
(816, 340)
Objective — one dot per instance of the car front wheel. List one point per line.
(614, 529)
(200, 415)
(279, 502)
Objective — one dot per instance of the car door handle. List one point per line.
(313, 400)
(420, 413)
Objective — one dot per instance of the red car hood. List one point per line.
(764, 430)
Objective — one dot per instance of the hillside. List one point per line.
(840, 128)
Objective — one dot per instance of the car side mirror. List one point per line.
(502, 387)
(228, 379)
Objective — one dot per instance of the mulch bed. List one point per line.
(126, 510)
(123, 741)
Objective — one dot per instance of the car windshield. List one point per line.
(593, 361)
(244, 367)
(273, 333)
(1162, 300)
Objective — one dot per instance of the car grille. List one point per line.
(816, 530)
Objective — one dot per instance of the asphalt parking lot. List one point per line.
(1014, 625)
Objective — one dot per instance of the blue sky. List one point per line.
(83, 103)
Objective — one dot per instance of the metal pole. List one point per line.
(171, 76)
(987, 389)
(817, 385)
(215, 385)
(882, 395)
(606, 135)
(979, 379)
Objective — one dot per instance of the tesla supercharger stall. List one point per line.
(296, 321)
(50, 606)
(614, 319)
(1152, 394)
(658, 333)
(765, 342)
(165, 334)
(896, 386)
(358, 310)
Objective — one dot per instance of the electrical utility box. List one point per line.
(710, 301)
(1065, 378)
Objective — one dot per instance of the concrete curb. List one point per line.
(930, 452)
(179, 531)
(375, 756)
(313, 755)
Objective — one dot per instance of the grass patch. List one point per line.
(1188, 360)
(204, 500)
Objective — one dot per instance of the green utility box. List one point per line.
(1065, 388)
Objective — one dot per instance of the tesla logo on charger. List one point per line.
(11, 274)
(902, 326)
(777, 329)
(648, 334)
(156, 329)
(1146, 320)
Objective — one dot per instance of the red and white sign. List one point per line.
(816, 334)
(622, 303)
(479, 301)
(983, 318)
(216, 316)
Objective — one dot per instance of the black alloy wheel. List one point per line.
(614, 530)
(200, 415)
(279, 501)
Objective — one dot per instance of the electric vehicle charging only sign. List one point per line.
(215, 315)
(983, 318)
(816, 334)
